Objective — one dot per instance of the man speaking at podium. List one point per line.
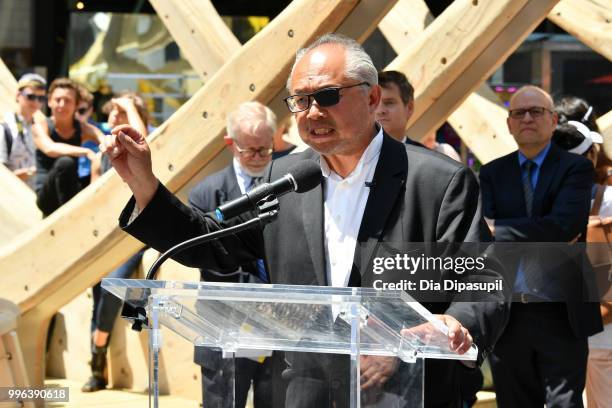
(373, 189)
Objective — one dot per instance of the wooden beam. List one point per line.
(80, 242)
(605, 126)
(482, 127)
(604, 123)
(588, 20)
(8, 89)
(405, 22)
(18, 210)
(204, 39)
(477, 38)
(480, 120)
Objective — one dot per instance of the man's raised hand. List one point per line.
(130, 155)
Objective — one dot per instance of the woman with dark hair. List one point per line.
(573, 108)
(578, 133)
(577, 109)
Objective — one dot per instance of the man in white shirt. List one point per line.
(398, 193)
(17, 150)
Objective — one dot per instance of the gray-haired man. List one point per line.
(250, 129)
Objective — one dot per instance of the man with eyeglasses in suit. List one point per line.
(16, 141)
(250, 131)
(540, 194)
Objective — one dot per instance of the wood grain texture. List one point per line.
(8, 89)
(18, 210)
(605, 125)
(482, 127)
(405, 22)
(204, 39)
(588, 20)
(480, 121)
(461, 48)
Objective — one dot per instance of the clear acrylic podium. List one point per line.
(324, 338)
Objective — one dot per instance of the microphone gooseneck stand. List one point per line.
(260, 220)
(267, 208)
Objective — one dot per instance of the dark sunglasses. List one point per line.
(534, 112)
(33, 97)
(82, 111)
(325, 97)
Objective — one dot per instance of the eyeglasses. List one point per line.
(262, 151)
(33, 97)
(82, 111)
(325, 97)
(535, 112)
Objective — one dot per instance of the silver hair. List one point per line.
(253, 113)
(358, 66)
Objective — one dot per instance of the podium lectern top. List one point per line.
(291, 318)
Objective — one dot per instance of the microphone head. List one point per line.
(307, 175)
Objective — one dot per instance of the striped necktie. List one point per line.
(528, 168)
(255, 181)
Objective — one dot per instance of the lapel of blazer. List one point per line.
(312, 218)
(389, 180)
(231, 183)
(547, 174)
(511, 184)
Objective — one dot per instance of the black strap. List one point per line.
(8, 137)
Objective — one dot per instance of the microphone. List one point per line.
(302, 176)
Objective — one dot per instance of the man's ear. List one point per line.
(409, 109)
(555, 118)
(375, 96)
(229, 142)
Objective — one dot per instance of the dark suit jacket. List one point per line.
(560, 212)
(419, 196)
(210, 193)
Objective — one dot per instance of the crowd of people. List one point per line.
(377, 184)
